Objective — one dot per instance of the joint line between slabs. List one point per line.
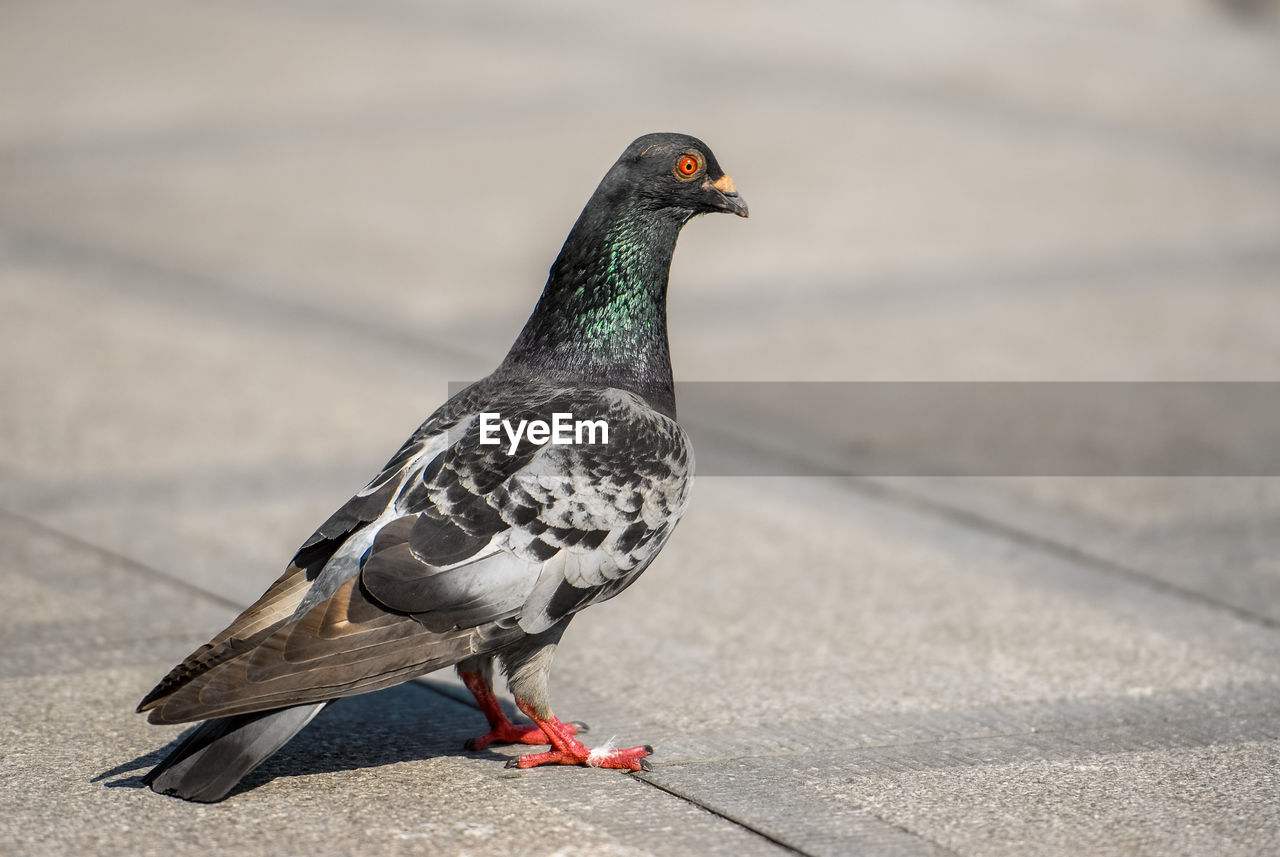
(1049, 545)
(871, 488)
(431, 687)
(737, 822)
(126, 562)
(164, 283)
(1065, 733)
(780, 842)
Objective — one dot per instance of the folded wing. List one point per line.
(455, 548)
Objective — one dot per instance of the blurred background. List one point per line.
(246, 246)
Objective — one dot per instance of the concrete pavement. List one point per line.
(245, 248)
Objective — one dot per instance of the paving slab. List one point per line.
(1215, 538)
(1053, 662)
(95, 611)
(206, 445)
(383, 772)
(1206, 798)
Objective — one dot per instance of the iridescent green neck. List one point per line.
(602, 317)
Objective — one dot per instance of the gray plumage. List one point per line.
(458, 551)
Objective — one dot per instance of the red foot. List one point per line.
(568, 750)
(632, 759)
(501, 729)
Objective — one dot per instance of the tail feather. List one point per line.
(220, 752)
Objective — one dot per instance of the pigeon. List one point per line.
(543, 488)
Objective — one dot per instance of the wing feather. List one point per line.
(455, 548)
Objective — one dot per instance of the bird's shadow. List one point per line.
(422, 719)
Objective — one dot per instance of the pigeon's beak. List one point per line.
(727, 198)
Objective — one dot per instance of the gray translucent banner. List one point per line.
(982, 428)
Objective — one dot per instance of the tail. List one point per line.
(219, 753)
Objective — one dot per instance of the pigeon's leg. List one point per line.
(528, 666)
(479, 680)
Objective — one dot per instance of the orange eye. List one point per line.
(687, 167)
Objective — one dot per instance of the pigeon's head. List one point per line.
(673, 173)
